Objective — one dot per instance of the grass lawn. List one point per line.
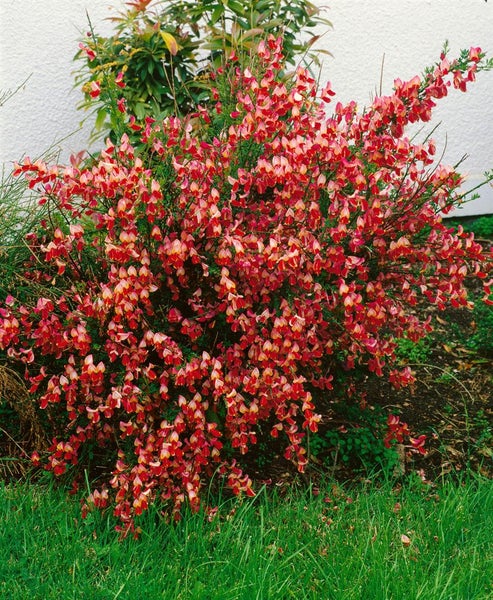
(396, 542)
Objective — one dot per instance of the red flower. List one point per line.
(94, 89)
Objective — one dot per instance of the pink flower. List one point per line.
(89, 51)
(418, 444)
(95, 89)
(119, 80)
(475, 54)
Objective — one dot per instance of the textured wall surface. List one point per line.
(39, 38)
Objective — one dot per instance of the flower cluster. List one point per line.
(224, 279)
(397, 431)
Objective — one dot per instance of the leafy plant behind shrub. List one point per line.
(233, 279)
(361, 440)
(482, 227)
(482, 338)
(163, 57)
(413, 351)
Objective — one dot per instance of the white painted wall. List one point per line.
(39, 38)
(411, 33)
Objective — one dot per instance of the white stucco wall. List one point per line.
(39, 38)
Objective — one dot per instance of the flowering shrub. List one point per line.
(181, 306)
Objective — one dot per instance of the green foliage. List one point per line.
(476, 334)
(482, 338)
(410, 352)
(482, 227)
(233, 25)
(359, 441)
(163, 57)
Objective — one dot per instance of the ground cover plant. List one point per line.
(336, 542)
(234, 281)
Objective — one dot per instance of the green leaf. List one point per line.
(101, 116)
(217, 13)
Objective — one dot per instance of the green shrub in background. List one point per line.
(482, 227)
(162, 56)
(482, 338)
